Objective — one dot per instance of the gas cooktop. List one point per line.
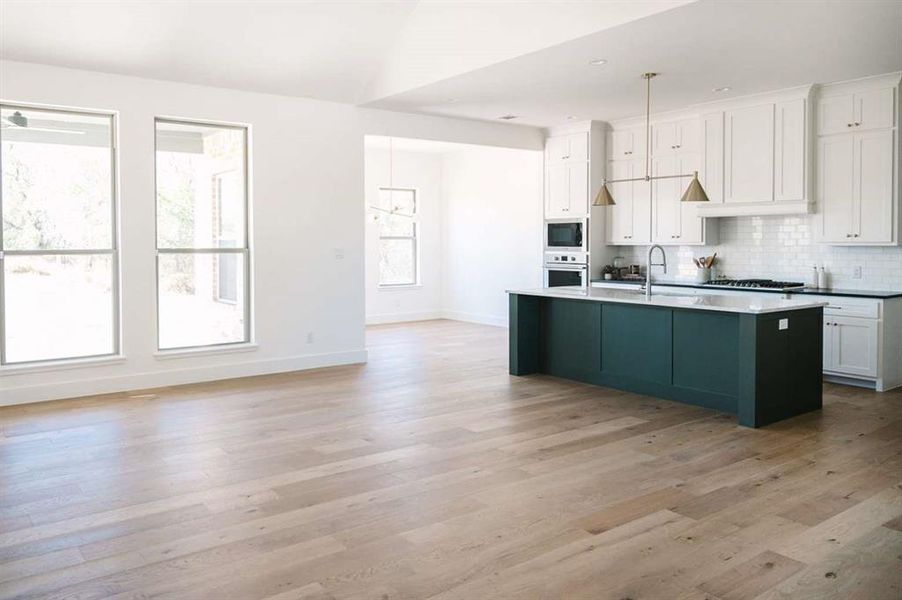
(764, 284)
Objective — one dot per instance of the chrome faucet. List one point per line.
(663, 263)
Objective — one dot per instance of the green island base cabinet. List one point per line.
(762, 362)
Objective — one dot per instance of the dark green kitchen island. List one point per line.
(759, 359)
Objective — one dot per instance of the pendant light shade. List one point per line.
(695, 192)
(603, 197)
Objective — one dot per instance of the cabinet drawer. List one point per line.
(852, 307)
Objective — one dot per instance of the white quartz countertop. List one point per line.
(753, 304)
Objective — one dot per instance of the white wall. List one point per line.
(481, 217)
(492, 223)
(423, 172)
(308, 232)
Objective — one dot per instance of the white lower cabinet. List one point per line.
(850, 346)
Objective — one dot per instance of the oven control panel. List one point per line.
(566, 258)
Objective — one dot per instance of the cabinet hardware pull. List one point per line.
(848, 235)
(848, 124)
(857, 124)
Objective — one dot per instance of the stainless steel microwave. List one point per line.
(566, 235)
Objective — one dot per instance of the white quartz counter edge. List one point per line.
(715, 302)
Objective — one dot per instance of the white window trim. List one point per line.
(114, 252)
(206, 350)
(249, 342)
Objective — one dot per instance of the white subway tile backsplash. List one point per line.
(783, 248)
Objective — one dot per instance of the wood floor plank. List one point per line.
(431, 472)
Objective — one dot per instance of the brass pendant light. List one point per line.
(694, 193)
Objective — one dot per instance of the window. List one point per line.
(396, 214)
(59, 295)
(203, 258)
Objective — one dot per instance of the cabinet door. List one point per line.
(627, 143)
(873, 177)
(835, 114)
(558, 148)
(691, 225)
(577, 147)
(641, 200)
(789, 148)
(664, 138)
(666, 201)
(687, 135)
(749, 154)
(558, 197)
(874, 109)
(578, 188)
(620, 216)
(828, 344)
(855, 346)
(835, 184)
(711, 173)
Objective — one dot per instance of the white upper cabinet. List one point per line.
(578, 188)
(557, 192)
(790, 145)
(572, 147)
(835, 187)
(567, 190)
(629, 220)
(835, 114)
(856, 111)
(674, 136)
(675, 222)
(872, 176)
(749, 154)
(711, 171)
(857, 163)
(874, 109)
(626, 143)
(855, 187)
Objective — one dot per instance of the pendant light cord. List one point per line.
(648, 77)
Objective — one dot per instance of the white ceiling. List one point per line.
(750, 45)
(327, 50)
(474, 59)
(345, 50)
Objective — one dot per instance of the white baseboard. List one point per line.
(163, 378)
(403, 317)
(482, 319)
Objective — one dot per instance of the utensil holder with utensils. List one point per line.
(705, 267)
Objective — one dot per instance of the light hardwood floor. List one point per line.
(432, 473)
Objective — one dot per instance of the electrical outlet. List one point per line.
(309, 337)
(856, 272)
(339, 253)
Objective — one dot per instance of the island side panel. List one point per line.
(571, 339)
(781, 374)
(524, 335)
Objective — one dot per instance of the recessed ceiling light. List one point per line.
(725, 88)
(571, 118)
(453, 100)
(508, 117)
(598, 62)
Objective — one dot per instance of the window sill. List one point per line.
(62, 365)
(392, 288)
(205, 351)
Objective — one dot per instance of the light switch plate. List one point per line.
(783, 324)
